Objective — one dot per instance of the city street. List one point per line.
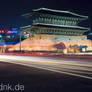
(43, 74)
(45, 46)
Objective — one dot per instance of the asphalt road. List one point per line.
(40, 80)
(76, 67)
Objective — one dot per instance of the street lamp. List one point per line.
(28, 34)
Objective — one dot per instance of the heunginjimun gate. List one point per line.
(61, 27)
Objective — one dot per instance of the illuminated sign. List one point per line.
(8, 31)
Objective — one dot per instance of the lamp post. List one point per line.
(20, 35)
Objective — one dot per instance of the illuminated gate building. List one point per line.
(62, 27)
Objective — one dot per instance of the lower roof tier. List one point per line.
(57, 30)
(60, 26)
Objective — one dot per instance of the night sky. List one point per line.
(11, 10)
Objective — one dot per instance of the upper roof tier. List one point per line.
(55, 12)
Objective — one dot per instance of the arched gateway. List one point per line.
(61, 47)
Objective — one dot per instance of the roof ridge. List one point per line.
(60, 11)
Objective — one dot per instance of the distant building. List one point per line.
(60, 27)
(8, 38)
